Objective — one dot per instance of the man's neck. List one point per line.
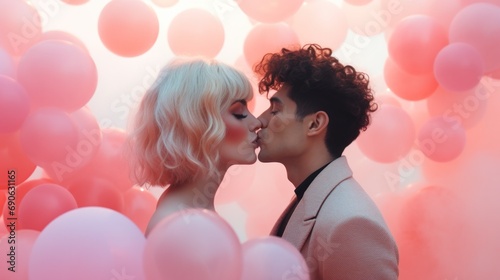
(298, 169)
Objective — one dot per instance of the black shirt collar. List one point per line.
(301, 189)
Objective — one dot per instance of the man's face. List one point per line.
(283, 136)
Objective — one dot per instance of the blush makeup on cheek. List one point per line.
(235, 132)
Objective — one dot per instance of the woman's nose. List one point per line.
(255, 124)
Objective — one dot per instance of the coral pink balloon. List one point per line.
(47, 134)
(14, 158)
(128, 27)
(23, 246)
(58, 74)
(415, 42)
(389, 137)
(458, 67)
(75, 2)
(393, 11)
(109, 162)
(7, 65)
(406, 85)
(20, 26)
(465, 108)
(320, 22)
(139, 206)
(479, 26)
(271, 257)
(88, 243)
(193, 244)
(92, 191)
(21, 190)
(268, 38)
(201, 37)
(3, 198)
(269, 11)
(165, 3)
(43, 204)
(441, 139)
(62, 36)
(14, 105)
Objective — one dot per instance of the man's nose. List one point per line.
(263, 120)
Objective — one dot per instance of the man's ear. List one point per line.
(317, 123)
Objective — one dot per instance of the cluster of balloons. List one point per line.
(435, 126)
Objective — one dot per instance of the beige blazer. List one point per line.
(340, 231)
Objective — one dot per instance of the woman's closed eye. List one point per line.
(240, 116)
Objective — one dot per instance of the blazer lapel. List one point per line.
(303, 218)
(276, 226)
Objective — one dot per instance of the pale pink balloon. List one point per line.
(389, 137)
(479, 26)
(58, 74)
(128, 27)
(358, 2)
(201, 37)
(43, 204)
(75, 2)
(139, 206)
(14, 105)
(20, 260)
(165, 3)
(193, 244)
(92, 191)
(269, 258)
(458, 67)
(20, 26)
(406, 85)
(320, 22)
(268, 38)
(269, 11)
(415, 42)
(441, 139)
(7, 65)
(46, 135)
(88, 243)
(465, 108)
(63, 36)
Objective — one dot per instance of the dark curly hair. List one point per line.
(319, 82)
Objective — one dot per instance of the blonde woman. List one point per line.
(191, 126)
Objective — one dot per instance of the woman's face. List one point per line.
(240, 141)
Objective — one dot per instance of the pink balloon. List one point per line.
(92, 191)
(415, 42)
(43, 204)
(75, 2)
(20, 26)
(441, 139)
(139, 206)
(128, 27)
(268, 38)
(88, 243)
(393, 11)
(271, 257)
(20, 256)
(465, 108)
(389, 137)
(14, 158)
(320, 22)
(458, 67)
(201, 37)
(58, 74)
(269, 11)
(7, 65)
(3, 198)
(406, 85)
(47, 134)
(443, 11)
(63, 36)
(479, 26)
(193, 244)
(14, 105)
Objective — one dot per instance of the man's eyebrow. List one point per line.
(275, 100)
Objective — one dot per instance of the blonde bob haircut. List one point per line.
(178, 128)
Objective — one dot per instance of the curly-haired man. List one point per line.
(319, 108)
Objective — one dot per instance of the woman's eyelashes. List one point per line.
(239, 116)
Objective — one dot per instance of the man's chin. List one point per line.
(263, 157)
